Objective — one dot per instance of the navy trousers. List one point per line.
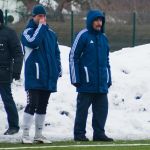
(99, 104)
(9, 104)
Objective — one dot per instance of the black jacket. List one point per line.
(11, 56)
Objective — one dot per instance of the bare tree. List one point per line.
(85, 4)
(58, 13)
(29, 4)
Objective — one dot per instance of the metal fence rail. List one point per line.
(124, 29)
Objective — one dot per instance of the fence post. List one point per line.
(6, 16)
(72, 26)
(134, 29)
(104, 28)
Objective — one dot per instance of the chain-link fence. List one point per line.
(125, 30)
(119, 28)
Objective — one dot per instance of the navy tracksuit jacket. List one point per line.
(90, 73)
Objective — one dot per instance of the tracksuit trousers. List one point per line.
(99, 104)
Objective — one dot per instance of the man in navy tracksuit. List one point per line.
(42, 69)
(91, 75)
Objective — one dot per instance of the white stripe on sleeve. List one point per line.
(72, 67)
(27, 36)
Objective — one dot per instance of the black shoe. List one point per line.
(11, 131)
(103, 138)
(81, 138)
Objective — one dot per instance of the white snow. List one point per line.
(51, 3)
(129, 104)
(111, 19)
(13, 8)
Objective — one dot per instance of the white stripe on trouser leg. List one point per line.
(27, 122)
(39, 123)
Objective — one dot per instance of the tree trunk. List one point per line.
(29, 4)
(58, 13)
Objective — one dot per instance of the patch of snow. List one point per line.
(129, 104)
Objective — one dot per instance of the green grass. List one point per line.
(80, 145)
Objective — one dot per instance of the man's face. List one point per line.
(39, 17)
(97, 24)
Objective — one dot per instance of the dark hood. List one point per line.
(91, 16)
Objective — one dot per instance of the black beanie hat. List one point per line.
(38, 9)
(1, 16)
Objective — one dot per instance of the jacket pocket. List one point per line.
(1, 47)
(86, 73)
(37, 71)
(5, 74)
(107, 75)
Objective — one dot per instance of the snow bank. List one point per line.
(129, 104)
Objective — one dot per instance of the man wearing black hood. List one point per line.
(10, 68)
(90, 74)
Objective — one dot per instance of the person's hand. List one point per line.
(76, 84)
(60, 74)
(109, 84)
(16, 76)
(42, 20)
